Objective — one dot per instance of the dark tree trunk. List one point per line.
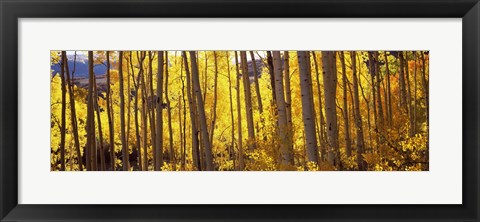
(195, 142)
(321, 135)
(158, 152)
(239, 116)
(110, 114)
(169, 115)
(125, 154)
(137, 125)
(63, 119)
(270, 71)
(358, 118)
(146, 115)
(91, 148)
(201, 113)
(348, 145)
(73, 115)
(288, 90)
(214, 111)
(151, 105)
(248, 101)
(330, 86)
(257, 86)
(389, 91)
(232, 144)
(401, 79)
(381, 119)
(371, 65)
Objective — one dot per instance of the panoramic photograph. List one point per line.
(239, 110)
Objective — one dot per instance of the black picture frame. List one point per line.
(10, 11)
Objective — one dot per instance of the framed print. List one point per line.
(223, 110)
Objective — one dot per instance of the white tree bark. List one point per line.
(330, 85)
(307, 107)
(286, 155)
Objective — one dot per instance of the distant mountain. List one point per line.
(80, 57)
(101, 80)
(259, 66)
(81, 68)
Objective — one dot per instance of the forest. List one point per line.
(239, 110)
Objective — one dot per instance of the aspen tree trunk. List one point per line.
(146, 115)
(180, 127)
(307, 107)
(201, 154)
(135, 113)
(99, 122)
(286, 155)
(273, 102)
(379, 97)
(73, 113)
(94, 139)
(389, 91)
(90, 121)
(385, 99)
(232, 144)
(288, 99)
(310, 94)
(169, 114)
(409, 95)
(310, 98)
(330, 86)
(137, 135)
(374, 97)
(125, 154)
(195, 143)
(385, 106)
(239, 117)
(351, 112)
(70, 93)
(322, 135)
(425, 93)
(248, 100)
(110, 114)
(403, 93)
(348, 144)
(63, 120)
(371, 68)
(201, 112)
(257, 86)
(205, 76)
(214, 111)
(144, 127)
(425, 88)
(272, 78)
(183, 135)
(129, 100)
(151, 106)
(288, 90)
(358, 117)
(159, 124)
(204, 93)
(413, 120)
